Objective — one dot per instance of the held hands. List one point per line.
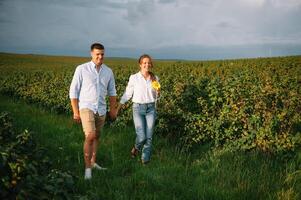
(119, 107)
(114, 112)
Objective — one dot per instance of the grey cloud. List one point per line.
(106, 4)
(148, 25)
(167, 1)
(198, 2)
(225, 25)
(139, 11)
(83, 4)
(274, 23)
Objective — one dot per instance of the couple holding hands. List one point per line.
(92, 82)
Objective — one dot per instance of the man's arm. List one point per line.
(74, 94)
(75, 109)
(113, 109)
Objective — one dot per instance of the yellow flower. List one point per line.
(156, 85)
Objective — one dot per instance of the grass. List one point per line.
(171, 174)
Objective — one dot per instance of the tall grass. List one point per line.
(172, 172)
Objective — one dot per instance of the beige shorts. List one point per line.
(91, 121)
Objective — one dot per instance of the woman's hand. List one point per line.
(119, 107)
(158, 93)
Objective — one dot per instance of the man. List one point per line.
(91, 82)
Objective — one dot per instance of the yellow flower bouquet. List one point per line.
(156, 85)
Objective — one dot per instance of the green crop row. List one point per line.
(235, 104)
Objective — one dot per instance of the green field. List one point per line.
(228, 129)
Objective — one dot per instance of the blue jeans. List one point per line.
(144, 116)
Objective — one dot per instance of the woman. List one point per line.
(144, 88)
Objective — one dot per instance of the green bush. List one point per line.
(25, 171)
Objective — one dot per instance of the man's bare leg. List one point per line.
(94, 148)
(88, 149)
(94, 152)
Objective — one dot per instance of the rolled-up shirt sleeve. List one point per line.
(111, 86)
(128, 91)
(75, 84)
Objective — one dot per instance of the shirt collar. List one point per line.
(94, 66)
(141, 76)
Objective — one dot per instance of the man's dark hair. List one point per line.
(97, 46)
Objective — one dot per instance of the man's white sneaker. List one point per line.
(88, 173)
(96, 166)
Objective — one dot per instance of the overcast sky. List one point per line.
(183, 29)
